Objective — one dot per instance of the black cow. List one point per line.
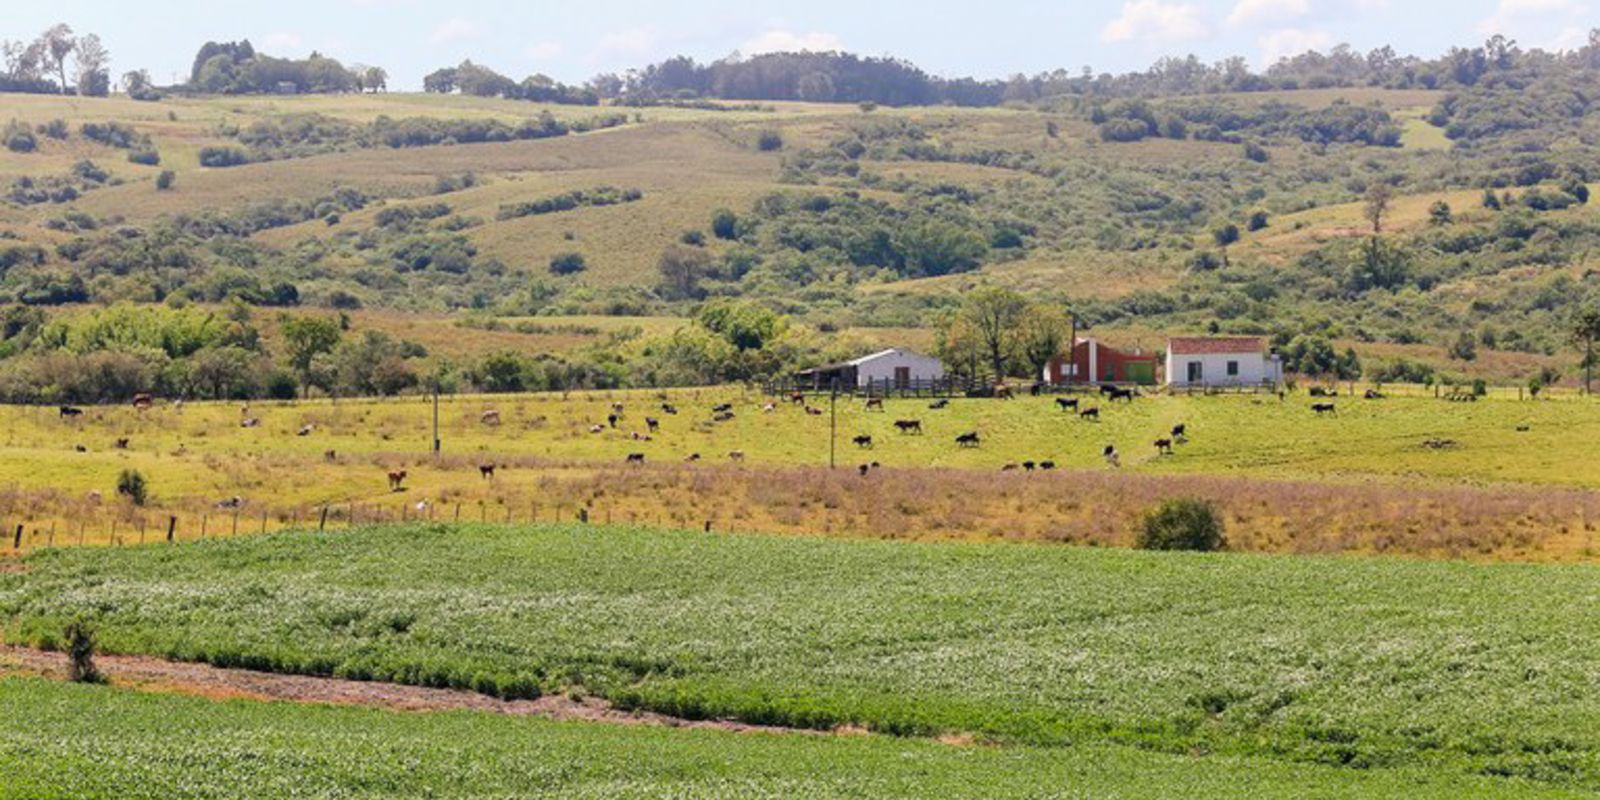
(1067, 403)
(969, 439)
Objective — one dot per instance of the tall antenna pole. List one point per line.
(833, 423)
(437, 446)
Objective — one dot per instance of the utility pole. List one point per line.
(833, 423)
(437, 446)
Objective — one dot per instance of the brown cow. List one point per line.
(490, 417)
(397, 481)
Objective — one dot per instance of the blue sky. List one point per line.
(572, 41)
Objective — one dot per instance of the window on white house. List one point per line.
(1233, 369)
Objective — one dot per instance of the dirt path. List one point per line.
(155, 675)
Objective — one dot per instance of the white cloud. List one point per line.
(281, 41)
(1372, 5)
(784, 41)
(633, 41)
(1571, 37)
(1156, 22)
(454, 29)
(1290, 42)
(1512, 16)
(543, 51)
(1251, 12)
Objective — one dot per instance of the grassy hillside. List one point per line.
(1473, 671)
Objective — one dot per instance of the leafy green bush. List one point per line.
(131, 484)
(769, 141)
(165, 180)
(1183, 524)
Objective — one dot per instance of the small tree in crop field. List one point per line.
(130, 484)
(1183, 524)
(80, 654)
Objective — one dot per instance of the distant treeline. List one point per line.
(236, 68)
(843, 77)
(480, 81)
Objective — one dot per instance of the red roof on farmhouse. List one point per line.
(1200, 345)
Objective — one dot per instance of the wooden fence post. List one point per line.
(236, 521)
(172, 528)
(322, 524)
(51, 542)
(16, 542)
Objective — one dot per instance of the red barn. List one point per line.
(1093, 362)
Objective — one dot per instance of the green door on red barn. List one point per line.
(1142, 373)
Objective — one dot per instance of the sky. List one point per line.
(573, 41)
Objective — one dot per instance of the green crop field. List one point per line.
(1361, 663)
(104, 744)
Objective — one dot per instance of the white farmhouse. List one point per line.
(894, 368)
(1231, 361)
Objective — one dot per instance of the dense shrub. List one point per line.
(568, 264)
(1183, 524)
(769, 141)
(19, 138)
(131, 484)
(222, 156)
(165, 180)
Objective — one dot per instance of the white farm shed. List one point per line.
(1228, 361)
(893, 368)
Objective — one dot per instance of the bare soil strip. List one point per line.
(155, 675)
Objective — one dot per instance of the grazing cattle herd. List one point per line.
(724, 412)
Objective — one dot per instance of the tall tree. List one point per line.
(1043, 333)
(94, 72)
(306, 338)
(57, 43)
(994, 316)
(1378, 198)
(1585, 333)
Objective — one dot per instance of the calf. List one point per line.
(122, 444)
(1111, 456)
(798, 398)
(1164, 446)
(68, 412)
(1029, 466)
(722, 408)
(305, 430)
(636, 458)
(1180, 433)
(611, 419)
(939, 405)
(490, 417)
(397, 481)
(1047, 465)
(909, 426)
(668, 408)
(726, 416)
(1067, 403)
(863, 441)
(969, 439)
(875, 404)
(691, 458)
(653, 424)
(737, 455)
(486, 471)
(813, 411)
(1090, 413)
(1325, 408)
(1116, 394)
